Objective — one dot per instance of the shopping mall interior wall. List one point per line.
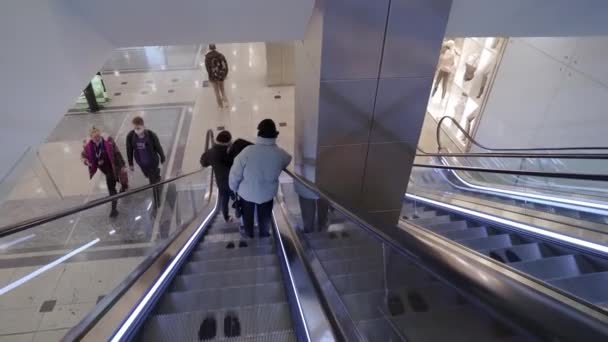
(527, 18)
(48, 55)
(549, 92)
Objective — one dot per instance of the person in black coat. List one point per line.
(143, 144)
(218, 158)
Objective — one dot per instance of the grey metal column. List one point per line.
(363, 78)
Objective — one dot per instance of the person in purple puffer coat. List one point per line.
(102, 154)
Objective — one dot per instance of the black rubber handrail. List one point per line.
(583, 176)
(476, 143)
(36, 221)
(594, 156)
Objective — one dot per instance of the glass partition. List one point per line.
(54, 274)
(385, 295)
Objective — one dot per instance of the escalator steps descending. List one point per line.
(569, 269)
(228, 289)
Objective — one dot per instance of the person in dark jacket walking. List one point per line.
(217, 157)
(143, 144)
(217, 70)
(102, 154)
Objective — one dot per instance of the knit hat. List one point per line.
(224, 137)
(267, 129)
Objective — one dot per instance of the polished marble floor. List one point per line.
(169, 85)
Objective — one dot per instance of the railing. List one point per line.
(476, 143)
(543, 310)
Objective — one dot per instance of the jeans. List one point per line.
(111, 183)
(154, 177)
(264, 217)
(224, 197)
(220, 92)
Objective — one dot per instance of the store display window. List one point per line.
(464, 73)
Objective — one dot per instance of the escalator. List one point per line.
(578, 272)
(438, 276)
(229, 287)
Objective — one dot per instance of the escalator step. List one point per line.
(257, 323)
(432, 220)
(491, 242)
(590, 287)
(470, 233)
(215, 299)
(235, 278)
(204, 255)
(210, 247)
(229, 264)
(447, 227)
(529, 251)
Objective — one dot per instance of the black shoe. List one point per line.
(208, 329)
(264, 235)
(232, 326)
(395, 305)
(345, 234)
(417, 303)
(512, 257)
(113, 213)
(332, 235)
(243, 244)
(496, 257)
(230, 245)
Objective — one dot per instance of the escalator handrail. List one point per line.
(86, 324)
(565, 175)
(580, 312)
(478, 144)
(600, 156)
(36, 221)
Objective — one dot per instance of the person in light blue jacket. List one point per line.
(254, 176)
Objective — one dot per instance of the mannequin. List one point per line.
(445, 67)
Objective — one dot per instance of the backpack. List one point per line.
(217, 66)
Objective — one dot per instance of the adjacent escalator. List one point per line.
(573, 270)
(387, 296)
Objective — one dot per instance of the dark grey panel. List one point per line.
(386, 176)
(413, 38)
(353, 31)
(400, 109)
(382, 219)
(340, 171)
(345, 110)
